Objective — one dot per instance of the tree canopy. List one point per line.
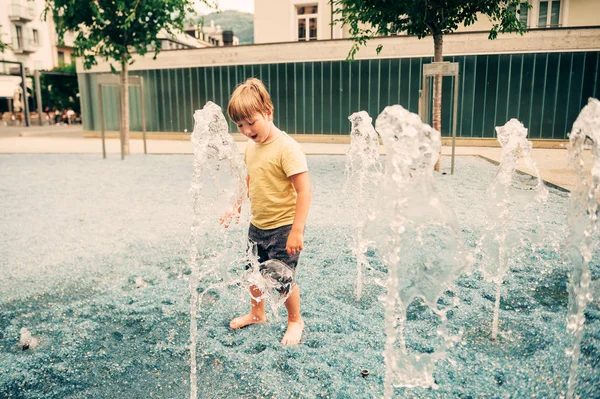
(115, 29)
(369, 18)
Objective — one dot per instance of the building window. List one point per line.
(36, 37)
(61, 57)
(307, 22)
(549, 15)
(19, 37)
(524, 15)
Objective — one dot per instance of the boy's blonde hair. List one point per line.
(249, 98)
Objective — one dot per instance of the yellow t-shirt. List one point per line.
(272, 194)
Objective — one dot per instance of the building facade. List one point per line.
(28, 42)
(32, 42)
(306, 20)
(296, 20)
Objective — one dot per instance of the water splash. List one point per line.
(363, 172)
(217, 163)
(273, 278)
(501, 238)
(582, 220)
(420, 241)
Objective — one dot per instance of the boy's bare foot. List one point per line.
(294, 333)
(246, 320)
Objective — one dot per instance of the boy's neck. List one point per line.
(274, 134)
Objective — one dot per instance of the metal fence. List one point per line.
(545, 91)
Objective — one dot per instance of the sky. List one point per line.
(239, 5)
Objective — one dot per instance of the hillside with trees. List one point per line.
(241, 23)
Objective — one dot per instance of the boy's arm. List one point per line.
(295, 241)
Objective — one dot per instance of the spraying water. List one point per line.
(273, 278)
(218, 183)
(419, 238)
(501, 238)
(363, 171)
(582, 220)
(219, 188)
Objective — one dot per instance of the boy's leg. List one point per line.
(295, 323)
(257, 311)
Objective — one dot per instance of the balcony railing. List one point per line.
(21, 12)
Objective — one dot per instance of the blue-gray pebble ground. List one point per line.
(77, 231)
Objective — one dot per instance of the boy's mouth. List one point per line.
(253, 137)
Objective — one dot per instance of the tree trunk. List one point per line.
(437, 91)
(125, 106)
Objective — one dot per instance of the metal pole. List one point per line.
(423, 102)
(426, 103)
(38, 94)
(25, 100)
(120, 125)
(143, 113)
(101, 108)
(454, 121)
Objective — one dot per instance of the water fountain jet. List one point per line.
(419, 238)
(363, 172)
(502, 195)
(582, 221)
(217, 162)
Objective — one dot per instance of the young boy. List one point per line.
(280, 194)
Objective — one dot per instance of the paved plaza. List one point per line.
(552, 163)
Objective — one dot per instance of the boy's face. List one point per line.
(257, 127)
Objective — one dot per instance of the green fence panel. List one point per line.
(545, 91)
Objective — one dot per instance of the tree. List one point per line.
(370, 18)
(116, 29)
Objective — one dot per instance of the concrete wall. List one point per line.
(271, 21)
(583, 12)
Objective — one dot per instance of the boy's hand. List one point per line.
(229, 217)
(295, 242)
